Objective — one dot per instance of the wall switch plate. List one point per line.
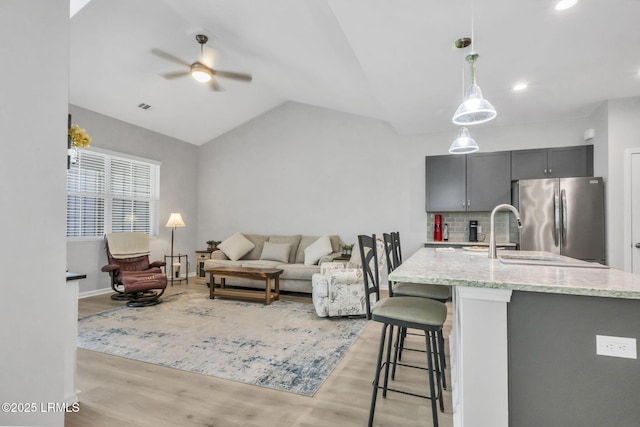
(616, 347)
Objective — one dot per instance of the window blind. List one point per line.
(108, 193)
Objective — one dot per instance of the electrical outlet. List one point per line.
(616, 346)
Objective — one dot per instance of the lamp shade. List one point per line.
(474, 109)
(463, 144)
(175, 220)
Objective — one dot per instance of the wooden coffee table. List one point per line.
(266, 274)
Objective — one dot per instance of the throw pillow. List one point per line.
(276, 252)
(236, 246)
(317, 250)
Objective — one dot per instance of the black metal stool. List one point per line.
(401, 312)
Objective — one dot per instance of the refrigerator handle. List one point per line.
(564, 216)
(556, 216)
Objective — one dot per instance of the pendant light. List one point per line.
(474, 109)
(463, 144)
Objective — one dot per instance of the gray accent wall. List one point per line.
(555, 376)
(178, 192)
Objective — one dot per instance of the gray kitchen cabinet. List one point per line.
(446, 183)
(472, 182)
(488, 180)
(559, 162)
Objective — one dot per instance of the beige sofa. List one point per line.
(296, 276)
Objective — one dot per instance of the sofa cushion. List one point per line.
(261, 264)
(258, 240)
(336, 243)
(276, 252)
(298, 271)
(212, 263)
(293, 240)
(336, 246)
(236, 246)
(317, 250)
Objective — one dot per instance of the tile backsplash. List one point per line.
(459, 225)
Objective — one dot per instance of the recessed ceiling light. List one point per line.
(520, 86)
(565, 4)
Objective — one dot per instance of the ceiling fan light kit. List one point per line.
(200, 72)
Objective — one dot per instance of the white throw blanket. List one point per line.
(128, 244)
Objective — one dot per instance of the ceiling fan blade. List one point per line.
(169, 57)
(175, 74)
(232, 75)
(215, 86)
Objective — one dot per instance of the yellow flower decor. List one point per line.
(79, 137)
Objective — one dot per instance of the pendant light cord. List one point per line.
(473, 36)
(473, 43)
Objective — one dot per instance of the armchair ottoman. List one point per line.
(338, 290)
(133, 278)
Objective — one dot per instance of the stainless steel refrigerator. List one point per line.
(562, 215)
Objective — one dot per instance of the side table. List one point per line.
(201, 257)
(343, 258)
(175, 275)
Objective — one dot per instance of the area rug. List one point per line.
(284, 345)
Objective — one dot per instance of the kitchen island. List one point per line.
(523, 339)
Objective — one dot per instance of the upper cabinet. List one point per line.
(446, 183)
(472, 182)
(488, 180)
(557, 162)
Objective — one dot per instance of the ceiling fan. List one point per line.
(199, 70)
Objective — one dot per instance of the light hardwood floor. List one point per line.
(115, 391)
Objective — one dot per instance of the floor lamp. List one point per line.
(175, 220)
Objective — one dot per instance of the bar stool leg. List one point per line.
(397, 350)
(432, 388)
(443, 361)
(439, 373)
(376, 379)
(388, 361)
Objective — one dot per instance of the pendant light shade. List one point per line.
(463, 144)
(474, 109)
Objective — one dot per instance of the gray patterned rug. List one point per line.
(284, 346)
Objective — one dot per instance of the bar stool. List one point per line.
(419, 290)
(401, 312)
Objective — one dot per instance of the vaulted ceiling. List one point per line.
(389, 60)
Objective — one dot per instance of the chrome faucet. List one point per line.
(493, 253)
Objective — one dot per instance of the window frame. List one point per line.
(154, 201)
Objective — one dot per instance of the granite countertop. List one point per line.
(485, 243)
(474, 269)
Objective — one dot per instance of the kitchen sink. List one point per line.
(547, 259)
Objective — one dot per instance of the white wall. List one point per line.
(178, 192)
(624, 132)
(33, 127)
(599, 122)
(304, 169)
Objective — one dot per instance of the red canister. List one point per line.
(437, 228)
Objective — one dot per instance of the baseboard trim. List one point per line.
(95, 292)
